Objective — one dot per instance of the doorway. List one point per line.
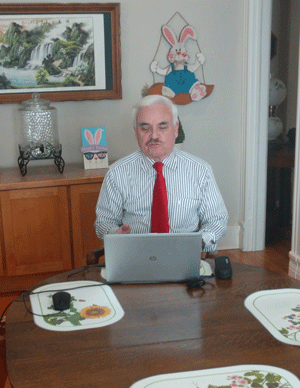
(253, 198)
(281, 151)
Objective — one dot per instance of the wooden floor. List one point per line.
(275, 257)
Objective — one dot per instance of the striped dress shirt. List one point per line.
(193, 197)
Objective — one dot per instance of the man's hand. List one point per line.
(124, 229)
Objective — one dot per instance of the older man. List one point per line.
(192, 198)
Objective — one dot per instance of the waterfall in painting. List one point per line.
(39, 53)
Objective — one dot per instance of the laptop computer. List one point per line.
(152, 258)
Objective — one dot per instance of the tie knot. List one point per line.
(158, 166)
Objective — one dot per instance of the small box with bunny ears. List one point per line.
(94, 147)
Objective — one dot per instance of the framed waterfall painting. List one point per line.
(64, 52)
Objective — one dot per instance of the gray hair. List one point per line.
(153, 100)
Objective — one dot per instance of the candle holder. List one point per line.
(39, 134)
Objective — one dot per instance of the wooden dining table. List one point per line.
(166, 328)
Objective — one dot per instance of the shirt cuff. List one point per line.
(113, 230)
(208, 241)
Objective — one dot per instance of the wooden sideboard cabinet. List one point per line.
(1, 257)
(46, 222)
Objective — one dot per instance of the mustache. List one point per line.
(153, 141)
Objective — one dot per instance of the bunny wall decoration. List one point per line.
(180, 77)
(94, 147)
(181, 84)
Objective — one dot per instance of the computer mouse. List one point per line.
(223, 269)
(61, 300)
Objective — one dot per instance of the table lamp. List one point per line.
(39, 133)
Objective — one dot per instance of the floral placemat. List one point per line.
(92, 305)
(240, 376)
(279, 312)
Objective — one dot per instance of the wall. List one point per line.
(213, 126)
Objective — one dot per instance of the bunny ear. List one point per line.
(98, 135)
(186, 33)
(89, 137)
(170, 35)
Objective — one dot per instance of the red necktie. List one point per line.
(160, 217)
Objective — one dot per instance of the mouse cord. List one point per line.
(47, 291)
(86, 268)
(25, 293)
(28, 293)
(6, 308)
(38, 315)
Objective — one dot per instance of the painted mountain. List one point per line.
(47, 53)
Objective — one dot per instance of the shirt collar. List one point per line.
(170, 161)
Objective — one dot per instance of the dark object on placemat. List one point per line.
(61, 300)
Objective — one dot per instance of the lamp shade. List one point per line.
(277, 91)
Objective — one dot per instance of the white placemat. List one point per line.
(240, 376)
(205, 270)
(279, 312)
(92, 306)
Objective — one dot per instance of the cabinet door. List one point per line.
(36, 230)
(83, 204)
